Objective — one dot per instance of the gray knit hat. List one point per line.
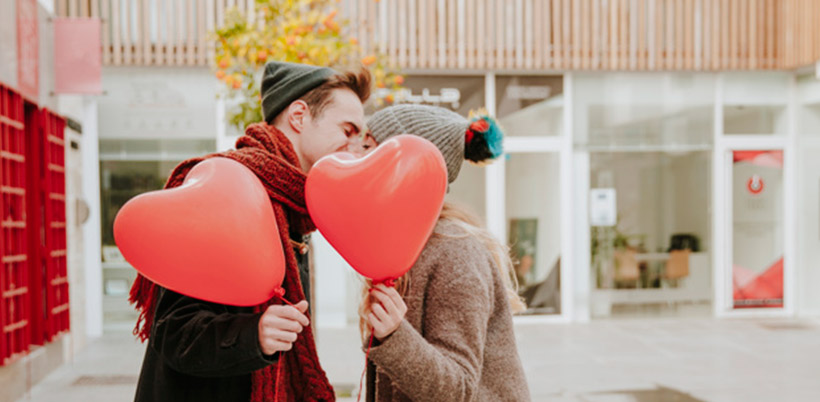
(283, 83)
(477, 140)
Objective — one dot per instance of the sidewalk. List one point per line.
(605, 361)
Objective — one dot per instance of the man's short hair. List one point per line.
(320, 97)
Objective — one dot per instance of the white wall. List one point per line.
(46, 62)
(48, 5)
(8, 50)
(79, 272)
(8, 43)
(756, 88)
(158, 103)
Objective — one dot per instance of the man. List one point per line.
(201, 351)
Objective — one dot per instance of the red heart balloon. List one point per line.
(214, 237)
(378, 211)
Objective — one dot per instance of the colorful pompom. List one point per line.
(483, 139)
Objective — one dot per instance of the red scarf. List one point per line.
(268, 153)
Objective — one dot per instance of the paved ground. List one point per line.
(626, 360)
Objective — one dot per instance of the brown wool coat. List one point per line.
(456, 342)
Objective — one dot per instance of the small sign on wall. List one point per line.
(77, 56)
(603, 210)
(28, 49)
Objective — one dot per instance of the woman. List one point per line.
(445, 333)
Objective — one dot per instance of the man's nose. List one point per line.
(355, 145)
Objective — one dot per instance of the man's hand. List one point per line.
(280, 326)
(386, 314)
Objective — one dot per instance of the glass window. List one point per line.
(460, 94)
(754, 120)
(129, 167)
(650, 137)
(457, 93)
(755, 103)
(757, 229)
(809, 113)
(469, 190)
(533, 203)
(530, 105)
(641, 111)
(653, 250)
(154, 149)
(122, 180)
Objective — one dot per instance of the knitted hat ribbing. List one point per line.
(444, 128)
(283, 83)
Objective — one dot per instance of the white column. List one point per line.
(494, 178)
(569, 269)
(581, 284)
(790, 212)
(91, 230)
(581, 259)
(720, 221)
(331, 284)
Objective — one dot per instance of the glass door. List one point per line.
(756, 194)
(757, 228)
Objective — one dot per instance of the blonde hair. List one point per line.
(472, 227)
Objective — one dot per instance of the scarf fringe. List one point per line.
(143, 297)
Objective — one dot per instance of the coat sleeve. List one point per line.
(204, 339)
(445, 363)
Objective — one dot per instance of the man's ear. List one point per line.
(298, 115)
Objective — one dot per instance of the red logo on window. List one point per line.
(755, 184)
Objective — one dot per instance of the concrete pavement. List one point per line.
(615, 360)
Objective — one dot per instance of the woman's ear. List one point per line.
(369, 142)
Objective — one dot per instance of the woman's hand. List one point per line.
(387, 311)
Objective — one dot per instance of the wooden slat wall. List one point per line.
(154, 32)
(641, 35)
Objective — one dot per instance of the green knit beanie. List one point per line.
(283, 83)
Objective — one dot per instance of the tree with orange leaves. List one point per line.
(297, 31)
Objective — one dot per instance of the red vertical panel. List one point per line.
(34, 219)
(15, 309)
(6, 122)
(57, 303)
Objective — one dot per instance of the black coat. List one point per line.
(202, 351)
